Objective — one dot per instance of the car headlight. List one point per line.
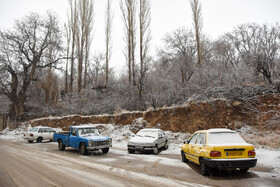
(110, 140)
(90, 143)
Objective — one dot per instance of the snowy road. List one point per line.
(41, 164)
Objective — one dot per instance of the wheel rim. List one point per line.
(155, 150)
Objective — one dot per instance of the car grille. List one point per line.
(98, 143)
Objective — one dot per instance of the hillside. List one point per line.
(259, 116)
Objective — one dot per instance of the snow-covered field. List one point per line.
(267, 158)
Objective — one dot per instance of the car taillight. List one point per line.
(31, 134)
(215, 153)
(251, 153)
(23, 134)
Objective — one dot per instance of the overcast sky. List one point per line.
(219, 16)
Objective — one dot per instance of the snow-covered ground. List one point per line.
(267, 158)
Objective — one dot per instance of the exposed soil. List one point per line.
(261, 113)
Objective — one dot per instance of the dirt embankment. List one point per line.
(263, 113)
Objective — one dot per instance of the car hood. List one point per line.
(96, 137)
(141, 139)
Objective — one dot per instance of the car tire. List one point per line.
(184, 159)
(204, 170)
(61, 146)
(105, 150)
(131, 151)
(165, 145)
(39, 139)
(244, 170)
(156, 150)
(30, 141)
(83, 149)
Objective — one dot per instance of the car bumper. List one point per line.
(140, 148)
(223, 164)
(92, 148)
(29, 138)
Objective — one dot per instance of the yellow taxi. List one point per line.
(221, 149)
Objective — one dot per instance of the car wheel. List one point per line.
(131, 151)
(61, 146)
(204, 170)
(156, 150)
(39, 139)
(184, 159)
(166, 145)
(83, 149)
(30, 141)
(105, 150)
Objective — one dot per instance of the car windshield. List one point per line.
(225, 138)
(147, 133)
(33, 129)
(88, 131)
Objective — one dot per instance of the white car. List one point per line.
(39, 134)
(148, 140)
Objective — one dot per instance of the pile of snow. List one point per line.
(269, 158)
(16, 134)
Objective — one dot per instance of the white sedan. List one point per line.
(148, 140)
(39, 134)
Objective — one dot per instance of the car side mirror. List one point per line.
(186, 142)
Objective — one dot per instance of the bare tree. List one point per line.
(197, 21)
(83, 38)
(68, 42)
(180, 49)
(145, 37)
(108, 33)
(128, 9)
(73, 21)
(21, 54)
(258, 47)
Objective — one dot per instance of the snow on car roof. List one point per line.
(84, 126)
(150, 129)
(217, 130)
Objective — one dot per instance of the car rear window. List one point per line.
(34, 130)
(225, 138)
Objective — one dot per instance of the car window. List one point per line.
(148, 133)
(50, 130)
(74, 132)
(193, 138)
(160, 134)
(34, 130)
(225, 138)
(40, 130)
(88, 131)
(201, 139)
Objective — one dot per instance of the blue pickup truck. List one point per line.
(83, 138)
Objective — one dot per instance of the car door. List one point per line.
(45, 133)
(73, 138)
(189, 152)
(40, 133)
(161, 139)
(198, 146)
(51, 132)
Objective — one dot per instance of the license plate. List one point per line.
(235, 153)
(138, 147)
